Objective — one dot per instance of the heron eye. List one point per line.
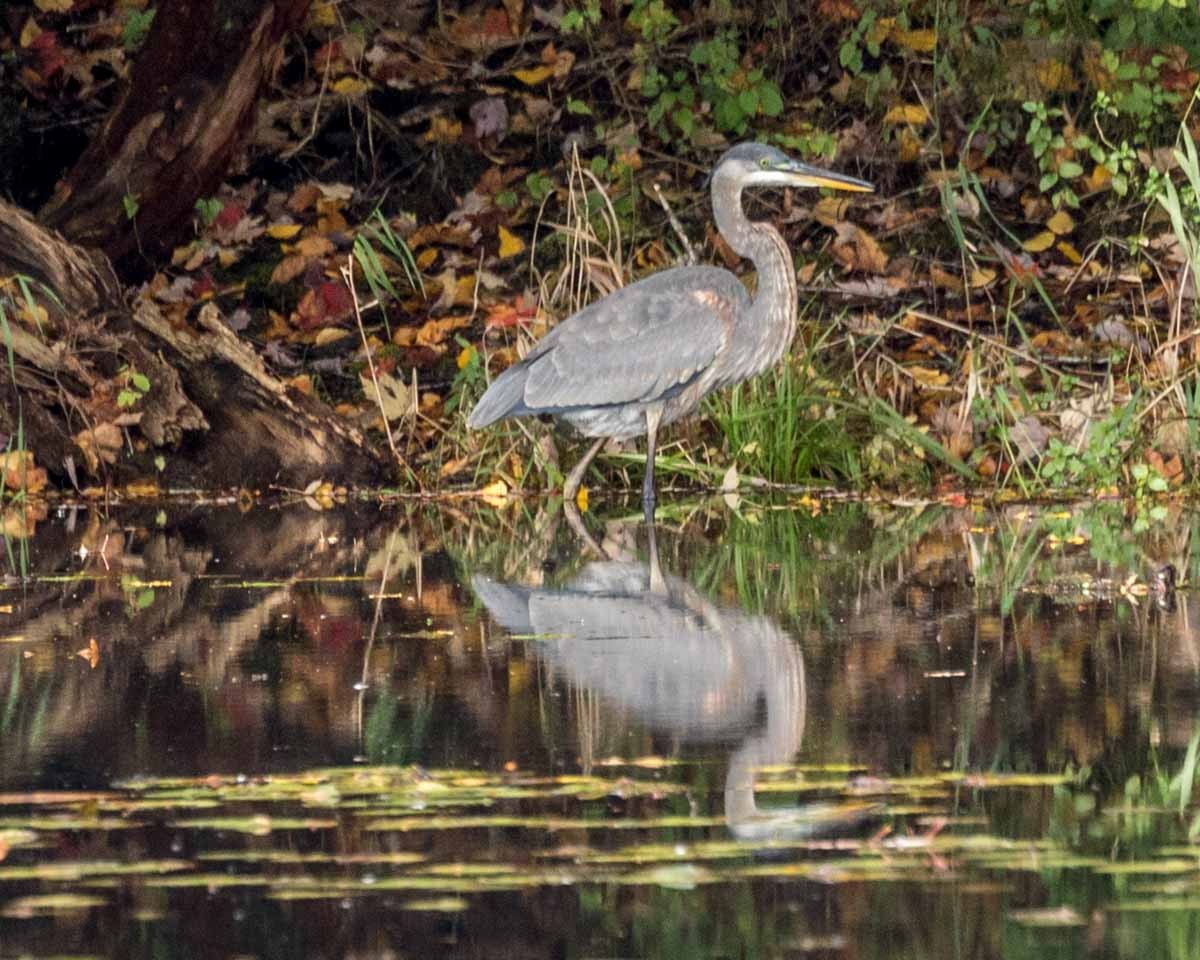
(765, 162)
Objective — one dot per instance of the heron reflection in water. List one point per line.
(647, 354)
(653, 645)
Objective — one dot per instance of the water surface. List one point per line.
(788, 730)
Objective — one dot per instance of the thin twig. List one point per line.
(683, 237)
(348, 276)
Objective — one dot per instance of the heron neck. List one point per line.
(774, 308)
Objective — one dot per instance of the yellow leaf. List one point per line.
(910, 145)
(465, 356)
(510, 243)
(928, 376)
(910, 113)
(330, 335)
(30, 32)
(495, 494)
(1043, 241)
(443, 130)
(880, 30)
(283, 231)
(922, 41)
(534, 76)
(1099, 179)
(322, 15)
(982, 277)
(351, 86)
(581, 499)
(1061, 223)
(1068, 250)
(426, 257)
(54, 6)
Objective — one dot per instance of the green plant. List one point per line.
(1147, 484)
(1097, 463)
(136, 29)
(780, 427)
(208, 209)
(1183, 205)
(1054, 158)
(134, 386)
(581, 18)
(469, 383)
(379, 231)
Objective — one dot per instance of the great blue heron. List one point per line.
(647, 354)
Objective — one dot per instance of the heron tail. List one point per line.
(505, 397)
(507, 603)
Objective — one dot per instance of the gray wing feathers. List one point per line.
(504, 397)
(635, 345)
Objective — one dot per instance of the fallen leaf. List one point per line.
(510, 243)
(1043, 241)
(581, 498)
(535, 75)
(1061, 223)
(922, 41)
(19, 472)
(91, 653)
(914, 114)
(283, 231)
(490, 117)
(495, 494)
(1029, 436)
(394, 398)
(350, 86)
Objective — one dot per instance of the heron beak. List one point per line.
(802, 175)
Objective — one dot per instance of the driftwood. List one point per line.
(213, 410)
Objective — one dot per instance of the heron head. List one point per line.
(758, 165)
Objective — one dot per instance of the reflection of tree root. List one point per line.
(576, 523)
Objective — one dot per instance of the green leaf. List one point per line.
(140, 381)
(685, 120)
(1069, 170)
(578, 107)
(771, 100)
(748, 101)
(1048, 180)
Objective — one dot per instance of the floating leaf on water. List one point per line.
(1048, 917)
(1148, 867)
(683, 876)
(398, 858)
(259, 826)
(49, 904)
(79, 869)
(437, 905)
(212, 881)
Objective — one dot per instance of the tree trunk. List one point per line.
(192, 97)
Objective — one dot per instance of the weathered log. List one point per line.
(213, 409)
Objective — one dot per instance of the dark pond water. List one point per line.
(790, 730)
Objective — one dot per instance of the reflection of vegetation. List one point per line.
(396, 731)
(790, 561)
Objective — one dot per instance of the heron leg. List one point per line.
(575, 477)
(653, 418)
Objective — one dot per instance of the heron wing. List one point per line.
(642, 343)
